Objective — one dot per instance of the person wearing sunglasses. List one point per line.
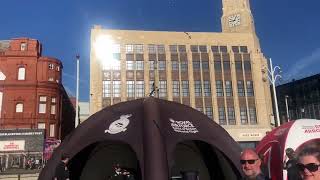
(309, 164)
(251, 165)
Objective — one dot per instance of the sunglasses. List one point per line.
(250, 161)
(312, 167)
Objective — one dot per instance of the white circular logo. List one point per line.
(119, 125)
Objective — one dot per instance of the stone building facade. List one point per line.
(222, 74)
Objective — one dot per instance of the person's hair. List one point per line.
(64, 156)
(310, 151)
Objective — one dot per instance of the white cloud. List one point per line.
(302, 67)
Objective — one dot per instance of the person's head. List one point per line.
(65, 158)
(290, 153)
(309, 164)
(250, 163)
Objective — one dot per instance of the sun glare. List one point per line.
(104, 47)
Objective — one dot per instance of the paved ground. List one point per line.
(19, 177)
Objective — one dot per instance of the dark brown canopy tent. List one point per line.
(156, 139)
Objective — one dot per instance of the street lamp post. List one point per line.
(77, 94)
(273, 75)
(287, 108)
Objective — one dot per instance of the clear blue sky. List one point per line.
(289, 30)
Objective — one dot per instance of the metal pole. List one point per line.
(274, 93)
(77, 94)
(287, 108)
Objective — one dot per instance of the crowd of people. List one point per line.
(304, 166)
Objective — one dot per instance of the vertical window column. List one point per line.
(222, 116)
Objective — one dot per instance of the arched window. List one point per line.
(19, 107)
(21, 73)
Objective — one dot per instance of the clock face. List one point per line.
(234, 20)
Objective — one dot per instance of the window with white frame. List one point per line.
(139, 65)
(250, 91)
(197, 88)
(116, 88)
(222, 116)
(161, 49)
(21, 73)
(185, 88)
(138, 48)
(184, 66)
(228, 88)
(41, 125)
(196, 65)
(19, 107)
(194, 48)
(152, 48)
(50, 79)
(203, 48)
(209, 112)
(162, 65)
(23, 46)
(129, 48)
(173, 48)
(151, 65)
(162, 88)
(240, 88)
(243, 115)
(253, 115)
(52, 130)
(53, 109)
(51, 66)
(219, 88)
(130, 88)
(139, 88)
(207, 88)
(116, 48)
(205, 65)
(182, 48)
(106, 88)
(175, 88)
(130, 65)
(174, 65)
(231, 116)
(42, 104)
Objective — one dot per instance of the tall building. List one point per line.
(299, 99)
(221, 74)
(31, 93)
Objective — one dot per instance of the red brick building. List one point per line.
(31, 93)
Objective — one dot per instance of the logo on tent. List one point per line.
(183, 126)
(119, 125)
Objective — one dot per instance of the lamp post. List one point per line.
(287, 108)
(77, 94)
(273, 75)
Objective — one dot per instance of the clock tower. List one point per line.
(237, 17)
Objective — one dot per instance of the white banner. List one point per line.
(12, 145)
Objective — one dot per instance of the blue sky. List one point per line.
(289, 30)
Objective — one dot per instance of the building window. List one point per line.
(228, 88)
(106, 89)
(116, 87)
(182, 48)
(197, 88)
(250, 91)
(51, 66)
(240, 88)
(205, 65)
(235, 49)
(130, 88)
(247, 66)
(162, 88)
(151, 65)
(138, 48)
(130, 65)
(222, 117)
(215, 49)
(23, 46)
(129, 48)
(231, 116)
(176, 88)
(209, 112)
(21, 73)
(243, 115)
(226, 65)
(253, 115)
(243, 49)
(203, 48)
(223, 49)
(184, 66)
(42, 104)
(185, 88)
(219, 88)
(53, 109)
(238, 65)
(19, 107)
(52, 130)
(116, 48)
(41, 125)
(174, 65)
(196, 65)
(173, 48)
(51, 79)
(139, 65)
(162, 65)
(152, 49)
(139, 88)
(194, 48)
(207, 88)
(161, 49)
(217, 66)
